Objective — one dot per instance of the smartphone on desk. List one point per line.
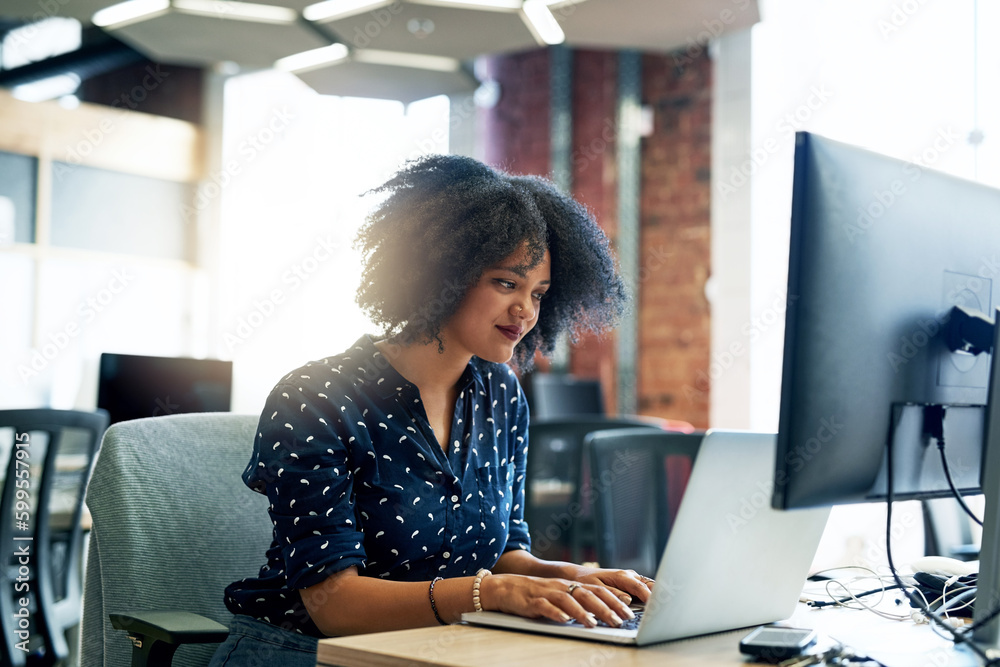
(773, 643)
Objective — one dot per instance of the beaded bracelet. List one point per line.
(430, 594)
(475, 588)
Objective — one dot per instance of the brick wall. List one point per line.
(595, 184)
(674, 331)
(516, 131)
(675, 235)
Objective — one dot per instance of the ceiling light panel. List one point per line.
(657, 26)
(236, 11)
(414, 60)
(130, 11)
(482, 5)
(184, 38)
(35, 10)
(459, 33)
(338, 9)
(542, 23)
(309, 60)
(351, 78)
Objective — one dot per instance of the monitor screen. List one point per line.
(556, 395)
(880, 251)
(135, 386)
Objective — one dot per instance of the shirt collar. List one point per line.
(387, 381)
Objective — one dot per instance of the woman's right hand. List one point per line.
(554, 598)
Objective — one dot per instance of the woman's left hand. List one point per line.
(623, 583)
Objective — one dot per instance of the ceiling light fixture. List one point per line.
(134, 11)
(487, 5)
(542, 23)
(129, 11)
(414, 60)
(331, 10)
(239, 11)
(313, 59)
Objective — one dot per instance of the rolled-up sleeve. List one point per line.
(301, 463)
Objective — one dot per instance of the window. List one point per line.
(294, 165)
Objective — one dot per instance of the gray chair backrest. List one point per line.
(560, 522)
(173, 525)
(638, 476)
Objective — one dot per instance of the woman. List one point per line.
(395, 471)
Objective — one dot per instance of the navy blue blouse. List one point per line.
(354, 476)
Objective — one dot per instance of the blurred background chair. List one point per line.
(173, 525)
(50, 454)
(556, 508)
(637, 481)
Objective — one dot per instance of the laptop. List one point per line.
(731, 561)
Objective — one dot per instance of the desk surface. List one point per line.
(895, 643)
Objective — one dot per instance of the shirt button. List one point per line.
(447, 554)
(454, 499)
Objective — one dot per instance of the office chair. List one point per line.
(558, 516)
(173, 525)
(50, 458)
(637, 480)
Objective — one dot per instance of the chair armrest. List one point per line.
(156, 635)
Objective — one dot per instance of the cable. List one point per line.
(819, 604)
(951, 484)
(868, 607)
(956, 636)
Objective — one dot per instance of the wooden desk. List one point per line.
(895, 643)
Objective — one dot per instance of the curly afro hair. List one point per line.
(445, 219)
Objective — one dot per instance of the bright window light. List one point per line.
(129, 11)
(542, 22)
(338, 9)
(307, 60)
(7, 220)
(288, 270)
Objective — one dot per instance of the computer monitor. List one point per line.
(133, 386)
(881, 250)
(555, 395)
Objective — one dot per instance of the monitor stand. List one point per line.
(988, 582)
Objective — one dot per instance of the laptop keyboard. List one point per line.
(632, 623)
(629, 624)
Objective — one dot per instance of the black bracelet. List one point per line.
(430, 594)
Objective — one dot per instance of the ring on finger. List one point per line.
(572, 587)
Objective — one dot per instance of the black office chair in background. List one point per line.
(556, 503)
(51, 454)
(637, 480)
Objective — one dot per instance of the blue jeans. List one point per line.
(253, 643)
